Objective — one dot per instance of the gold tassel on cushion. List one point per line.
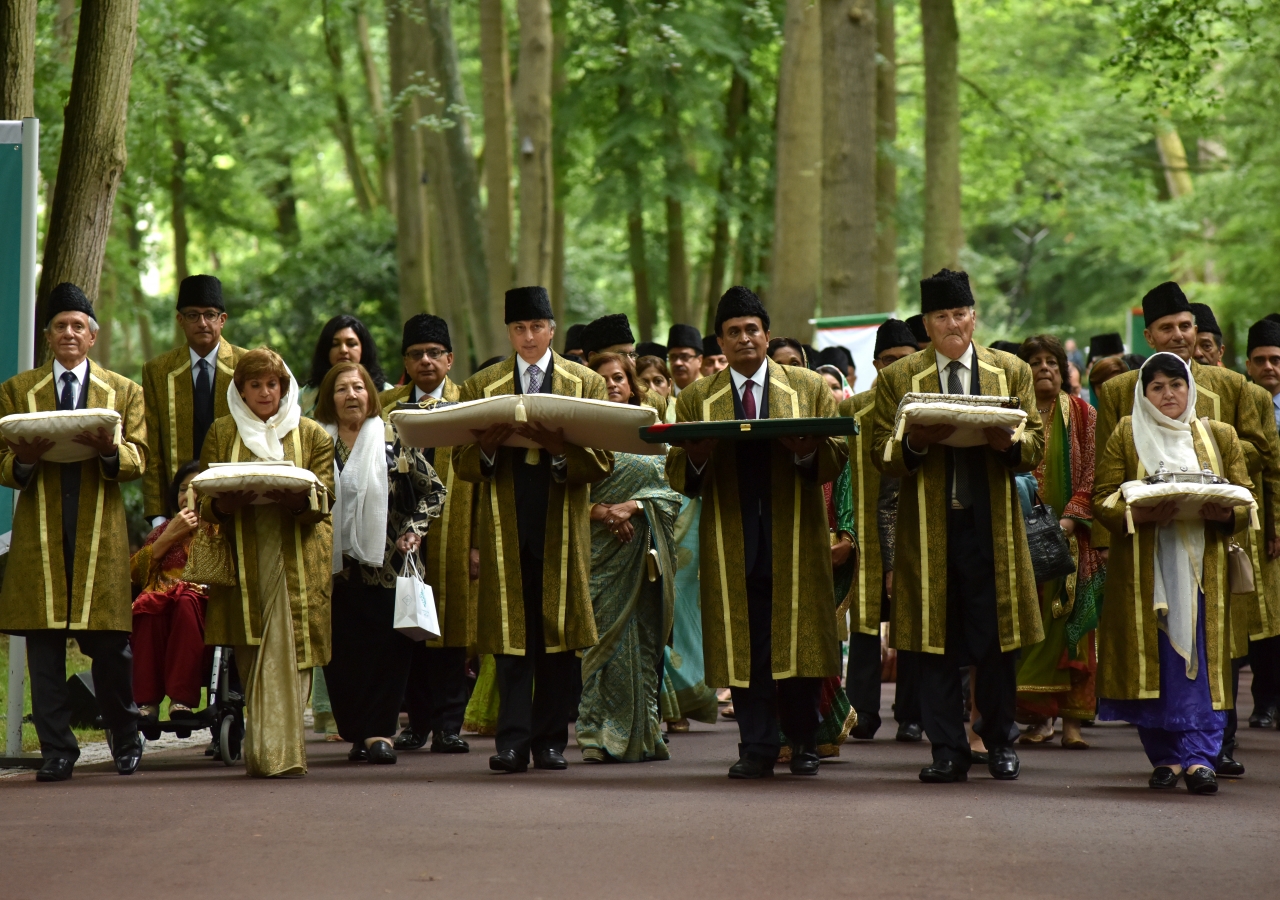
(402, 462)
(315, 501)
(1253, 517)
(324, 501)
(191, 498)
(1128, 519)
(521, 414)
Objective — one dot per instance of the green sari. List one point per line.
(618, 713)
(685, 694)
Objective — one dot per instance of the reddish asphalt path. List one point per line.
(1076, 825)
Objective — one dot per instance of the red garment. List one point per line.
(169, 657)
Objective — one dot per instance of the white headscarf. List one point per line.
(263, 438)
(362, 488)
(1179, 553)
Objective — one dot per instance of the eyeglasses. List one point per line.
(682, 357)
(207, 315)
(431, 353)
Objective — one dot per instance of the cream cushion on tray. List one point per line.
(599, 424)
(969, 416)
(259, 477)
(61, 427)
(1189, 496)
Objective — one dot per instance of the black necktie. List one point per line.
(202, 414)
(959, 460)
(68, 399)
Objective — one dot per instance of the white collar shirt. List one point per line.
(81, 373)
(1275, 408)
(757, 384)
(522, 369)
(211, 358)
(966, 369)
(437, 394)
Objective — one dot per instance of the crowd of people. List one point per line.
(773, 582)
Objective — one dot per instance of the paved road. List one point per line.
(1075, 825)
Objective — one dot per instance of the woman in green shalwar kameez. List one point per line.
(633, 516)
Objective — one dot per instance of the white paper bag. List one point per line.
(415, 615)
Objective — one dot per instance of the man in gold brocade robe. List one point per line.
(1263, 366)
(535, 540)
(436, 693)
(768, 631)
(68, 571)
(964, 590)
(186, 389)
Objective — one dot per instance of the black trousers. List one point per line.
(792, 703)
(112, 685)
(436, 696)
(529, 719)
(1264, 660)
(370, 665)
(862, 682)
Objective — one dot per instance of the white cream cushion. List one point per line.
(969, 416)
(224, 478)
(61, 427)
(1189, 497)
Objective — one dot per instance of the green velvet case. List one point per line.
(752, 430)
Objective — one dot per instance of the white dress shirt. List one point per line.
(81, 372)
(437, 394)
(211, 358)
(757, 384)
(966, 369)
(1275, 407)
(522, 369)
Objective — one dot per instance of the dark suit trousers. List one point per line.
(862, 681)
(370, 664)
(532, 718)
(1264, 660)
(436, 696)
(973, 640)
(760, 708)
(50, 701)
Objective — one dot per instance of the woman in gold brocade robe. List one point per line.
(277, 615)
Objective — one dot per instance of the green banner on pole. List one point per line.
(11, 213)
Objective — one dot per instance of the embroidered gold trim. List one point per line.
(860, 506)
(173, 412)
(51, 617)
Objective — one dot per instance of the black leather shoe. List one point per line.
(449, 743)
(380, 753)
(910, 733)
(944, 771)
(1003, 763)
(128, 754)
(866, 728)
(749, 766)
(549, 759)
(410, 740)
(357, 753)
(979, 757)
(1227, 767)
(804, 762)
(1163, 778)
(1264, 718)
(1202, 781)
(508, 761)
(55, 769)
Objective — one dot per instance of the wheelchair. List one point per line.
(223, 715)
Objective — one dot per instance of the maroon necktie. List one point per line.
(748, 399)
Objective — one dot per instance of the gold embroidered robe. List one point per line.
(1257, 614)
(804, 629)
(1128, 649)
(567, 617)
(234, 614)
(35, 582)
(450, 540)
(169, 392)
(1220, 395)
(863, 601)
(920, 545)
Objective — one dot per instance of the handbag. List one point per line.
(209, 561)
(1240, 579)
(415, 613)
(1047, 542)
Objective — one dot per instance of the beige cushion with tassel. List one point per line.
(61, 427)
(1189, 496)
(259, 477)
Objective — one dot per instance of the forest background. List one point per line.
(383, 157)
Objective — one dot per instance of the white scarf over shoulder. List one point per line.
(263, 438)
(362, 487)
(1179, 554)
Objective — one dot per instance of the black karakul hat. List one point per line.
(651, 348)
(737, 302)
(839, 357)
(573, 337)
(425, 328)
(1164, 300)
(527, 303)
(894, 333)
(202, 291)
(916, 324)
(67, 297)
(1205, 319)
(1109, 344)
(607, 331)
(684, 336)
(1265, 333)
(711, 346)
(945, 290)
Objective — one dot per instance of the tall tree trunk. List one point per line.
(848, 156)
(495, 79)
(533, 127)
(412, 244)
(373, 86)
(93, 148)
(886, 167)
(342, 127)
(464, 185)
(17, 58)
(1173, 158)
(178, 183)
(943, 231)
(797, 230)
(735, 108)
(285, 200)
(676, 176)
